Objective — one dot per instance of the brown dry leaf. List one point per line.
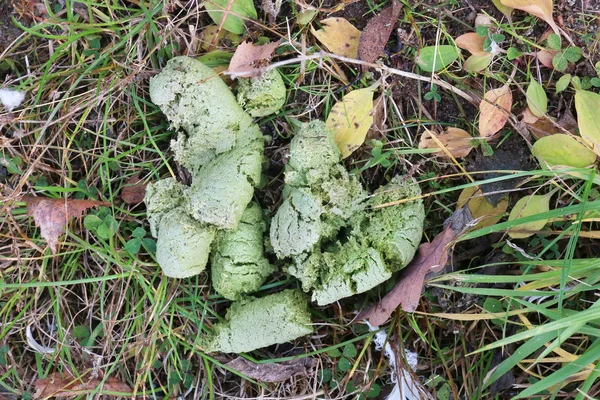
(545, 57)
(540, 8)
(471, 42)
(377, 32)
(457, 142)
(431, 257)
(480, 207)
(494, 110)
(134, 191)
(377, 130)
(52, 215)
(250, 61)
(56, 385)
(339, 37)
(273, 372)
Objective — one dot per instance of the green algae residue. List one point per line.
(262, 96)
(255, 323)
(238, 263)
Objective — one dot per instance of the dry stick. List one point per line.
(394, 71)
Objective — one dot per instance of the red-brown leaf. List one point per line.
(52, 215)
(134, 191)
(431, 257)
(249, 61)
(273, 372)
(377, 32)
(57, 386)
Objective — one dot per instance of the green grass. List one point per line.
(88, 126)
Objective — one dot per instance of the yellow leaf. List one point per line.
(456, 141)
(480, 207)
(587, 105)
(351, 118)
(526, 207)
(339, 36)
(478, 62)
(540, 8)
(494, 110)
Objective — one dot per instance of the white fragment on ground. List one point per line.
(34, 343)
(405, 388)
(11, 99)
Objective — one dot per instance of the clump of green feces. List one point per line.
(328, 231)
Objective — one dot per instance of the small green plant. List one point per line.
(433, 94)
(379, 157)
(138, 240)
(565, 56)
(102, 223)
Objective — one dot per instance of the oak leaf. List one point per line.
(494, 110)
(52, 215)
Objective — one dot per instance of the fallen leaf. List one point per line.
(377, 130)
(58, 385)
(249, 61)
(213, 37)
(236, 13)
(540, 8)
(560, 149)
(537, 99)
(457, 142)
(526, 207)
(477, 63)
(471, 42)
(377, 33)
(587, 105)
(503, 9)
(339, 37)
(545, 57)
(431, 257)
(273, 372)
(528, 117)
(435, 58)
(494, 110)
(52, 215)
(134, 191)
(351, 118)
(481, 209)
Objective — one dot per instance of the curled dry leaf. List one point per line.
(339, 37)
(351, 118)
(481, 209)
(52, 215)
(457, 142)
(494, 110)
(273, 372)
(58, 385)
(471, 42)
(134, 191)
(377, 32)
(540, 8)
(431, 257)
(249, 61)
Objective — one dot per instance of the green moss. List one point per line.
(262, 96)
(238, 263)
(255, 323)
